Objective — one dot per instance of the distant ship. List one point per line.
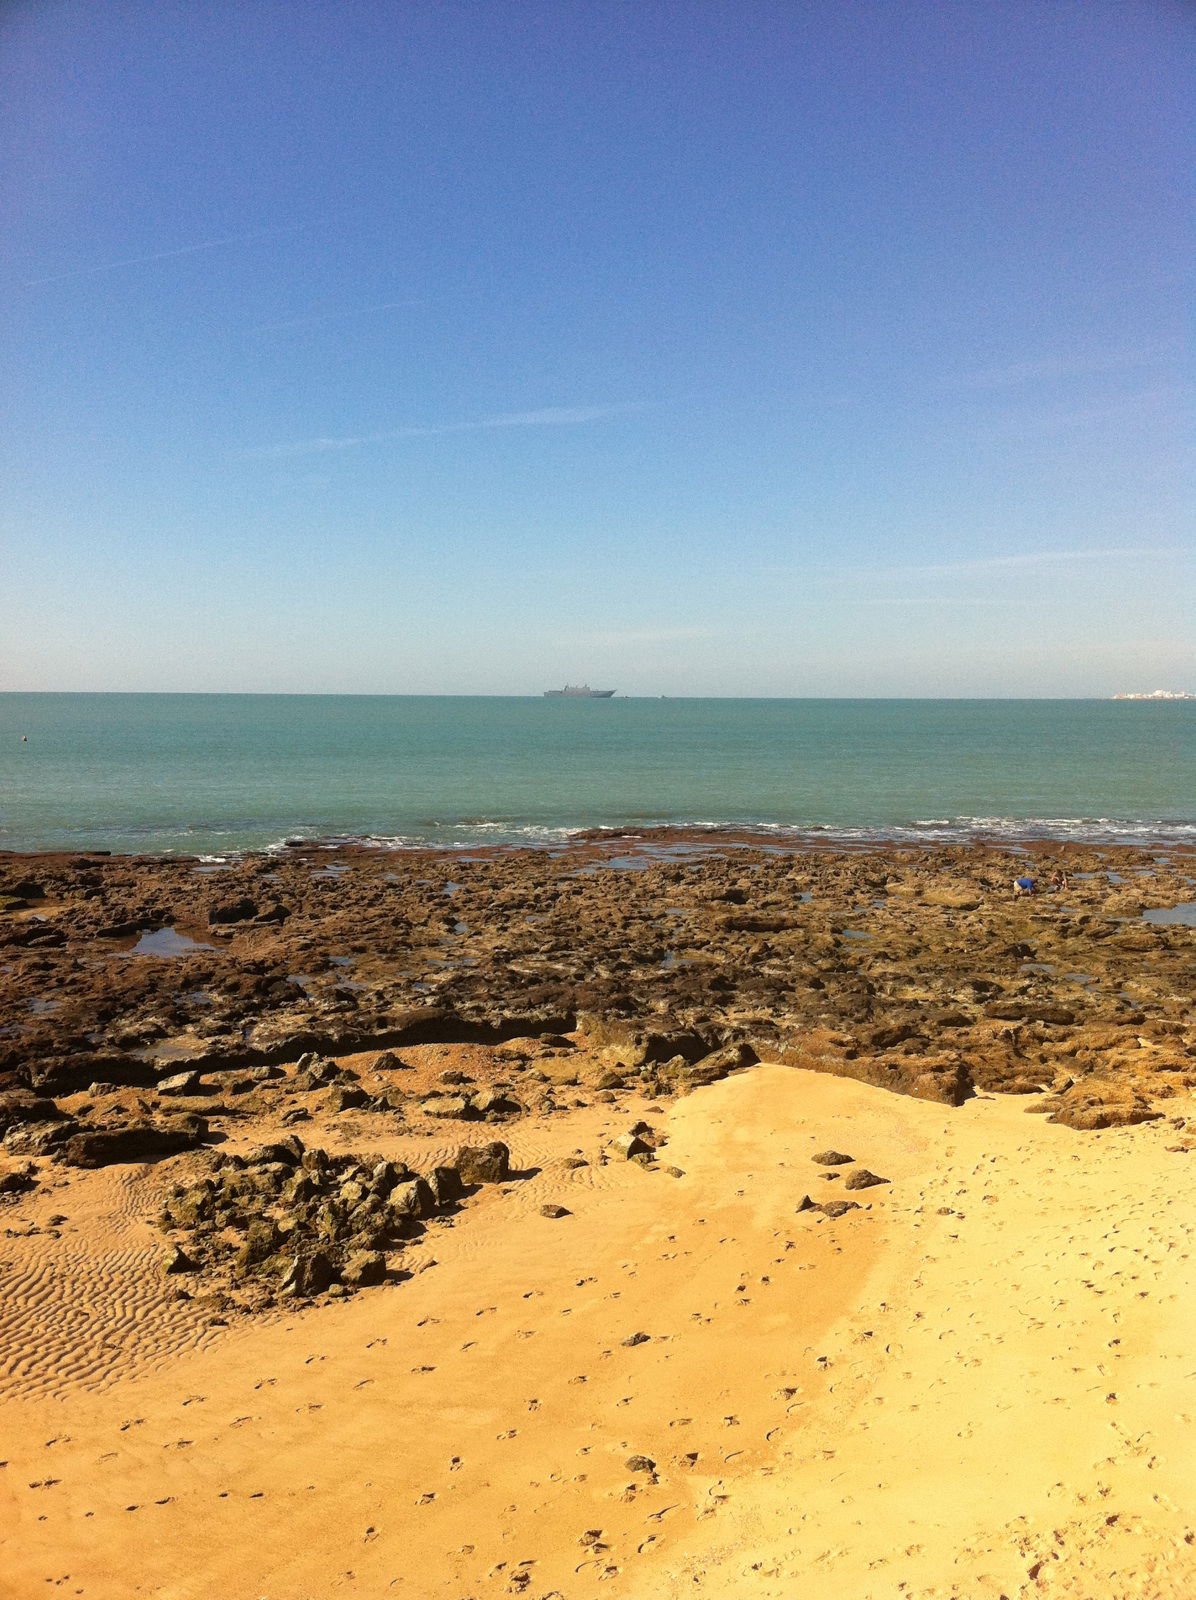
(578, 691)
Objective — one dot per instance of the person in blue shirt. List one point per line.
(1024, 886)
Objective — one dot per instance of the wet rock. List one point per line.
(861, 1178)
(483, 1164)
(241, 910)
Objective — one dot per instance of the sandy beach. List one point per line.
(645, 1361)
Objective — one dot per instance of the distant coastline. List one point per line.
(1158, 694)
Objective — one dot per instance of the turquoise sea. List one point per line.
(212, 774)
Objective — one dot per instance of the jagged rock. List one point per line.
(176, 1260)
(363, 1269)
(494, 1103)
(630, 1145)
(837, 1208)
(633, 1339)
(445, 1184)
(805, 1204)
(307, 1274)
(485, 1164)
(389, 1062)
(861, 1178)
(832, 1158)
(634, 1043)
(346, 1097)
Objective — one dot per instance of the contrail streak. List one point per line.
(163, 255)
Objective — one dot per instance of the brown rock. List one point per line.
(103, 1147)
(485, 1164)
(861, 1178)
(363, 1269)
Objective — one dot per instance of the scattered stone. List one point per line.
(628, 1145)
(832, 1158)
(180, 1083)
(640, 1464)
(633, 1339)
(346, 1097)
(389, 1062)
(554, 1211)
(837, 1208)
(863, 1179)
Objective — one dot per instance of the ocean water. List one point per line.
(213, 774)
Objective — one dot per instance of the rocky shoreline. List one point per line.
(919, 970)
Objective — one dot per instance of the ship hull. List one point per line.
(584, 693)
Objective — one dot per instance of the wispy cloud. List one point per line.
(925, 600)
(552, 416)
(617, 637)
(331, 316)
(1023, 561)
(1052, 368)
(164, 255)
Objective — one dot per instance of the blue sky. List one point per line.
(746, 348)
